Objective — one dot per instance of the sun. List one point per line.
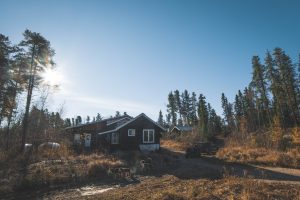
(51, 77)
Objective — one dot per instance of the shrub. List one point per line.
(99, 168)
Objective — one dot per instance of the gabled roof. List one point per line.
(103, 120)
(132, 120)
(182, 128)
(116, 121)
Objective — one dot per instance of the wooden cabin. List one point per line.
(121, 133)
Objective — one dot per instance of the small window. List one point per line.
(77, 138)
(148, 136)
(115, 138)
(131, 132)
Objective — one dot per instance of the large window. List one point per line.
(148, 136)
(115, 138)
(131, 132)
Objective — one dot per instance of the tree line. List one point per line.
(273, 95)
(186, 109)
(270, 101)
(78, 120)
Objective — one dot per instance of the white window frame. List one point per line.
(115, 138)
(148, 133)
(131, 132)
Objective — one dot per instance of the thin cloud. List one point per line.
(104, 103)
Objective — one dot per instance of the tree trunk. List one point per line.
(29, 95)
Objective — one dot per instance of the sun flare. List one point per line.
(51, 77)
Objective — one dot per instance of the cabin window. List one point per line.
(148, 136)
(77, 138)
(131, 132)
(115, 138)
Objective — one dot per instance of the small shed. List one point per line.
(180, 129)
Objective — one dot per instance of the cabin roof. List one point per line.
(132, 120)
(182, 128)
(115, 119)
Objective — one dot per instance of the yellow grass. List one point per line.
(73, 169)
(174, 144)
(170, 187)
(263, 156)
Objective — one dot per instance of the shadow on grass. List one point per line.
(210, 167)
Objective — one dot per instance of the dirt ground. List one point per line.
(176, 177)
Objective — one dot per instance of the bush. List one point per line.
(99, 168)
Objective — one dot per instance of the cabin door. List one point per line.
(87, 140)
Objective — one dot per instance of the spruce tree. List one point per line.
(203, 116)
(171, 107)
(160, 120)
(194, 108)
(288, 84)
(260, 85)
(98, 117)
(186, 107)
(228, 112)
(5, 57)
(178, 103)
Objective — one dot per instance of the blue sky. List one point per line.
(127, 55)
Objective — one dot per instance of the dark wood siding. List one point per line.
(96, 127)
(132, 142)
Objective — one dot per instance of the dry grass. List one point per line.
(98, 164)
(174, 144)
(51, 166)
(75, 169)
(64, 152)
(262, 156)
(169, 187)
(180, 142)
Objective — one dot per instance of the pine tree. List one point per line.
(98, 117)
(172, 108)
(117, 114)
(78, 120)
(275, 88)
(186, 107)
(88, 119)
(5, 54)
(249, 108)
(160, 120)
(288, 81)
(168, 119)
(194, 108)
(203, 116)
(40, 54)
(260, 85)
(227, 112)
(178, 103)
(67, 122)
